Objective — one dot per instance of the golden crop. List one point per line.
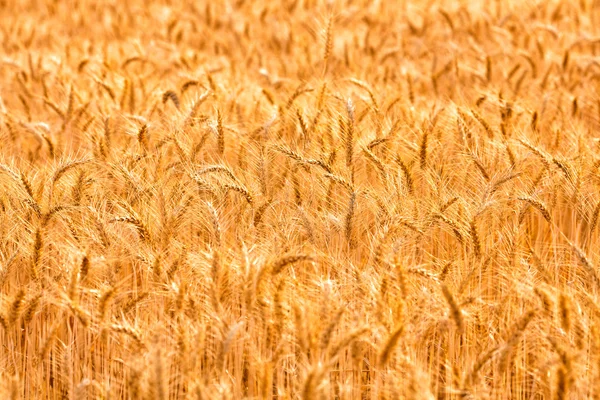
(345, 199)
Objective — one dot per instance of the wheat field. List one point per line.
(301, 199)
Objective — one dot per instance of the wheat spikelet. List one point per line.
(215, 223)
(188, 85)
(269, 96)
(496, 186)
(475, 238)
(241, 190)
(488, 129)
(544, 158)
(453, 225)
(140, 227)
(32, 308)
(376, 142)
(279, 264)
(349, 219)
(84, 268)
(328, 43)
(328, 332)
(538, 205)
(341, 181)
(448, 204)
(561, 383)
(192, 116)
(27, 185)
(215, 169)
(380, 167)
(514, 338)
(389, 346)
(296, 186)
(134, 301)
(171, 95)
(48, 216)
(37, 254)
(220, 133)
(488, 68)
(259, 213)
(423, 149)
(303, 126)
(411, 92)
(124, 93)
(547, 301)
(106, 88)
(48, 342)
(565, 378)
(293, 155)
(157, 267)
(348, 129)
(78, 189)
(479, 364)
(538, 264)
(311, 383)
(103, 303)
(159, 387)
(226, 344)
(480, 167)
(407, 175)
(297, 157)
(16, 307)
(300, 90)
(364, 86)
(423, 272)
(54, 107)
(583, 259)
(445, 270)
(142, 136)
(564, 304)
(348, 340)
(455, 310)
(132, 333)
(563, 167)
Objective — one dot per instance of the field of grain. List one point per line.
(301, 199)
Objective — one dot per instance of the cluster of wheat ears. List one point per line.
(346, 199)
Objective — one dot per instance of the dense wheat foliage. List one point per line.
(303, 199)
